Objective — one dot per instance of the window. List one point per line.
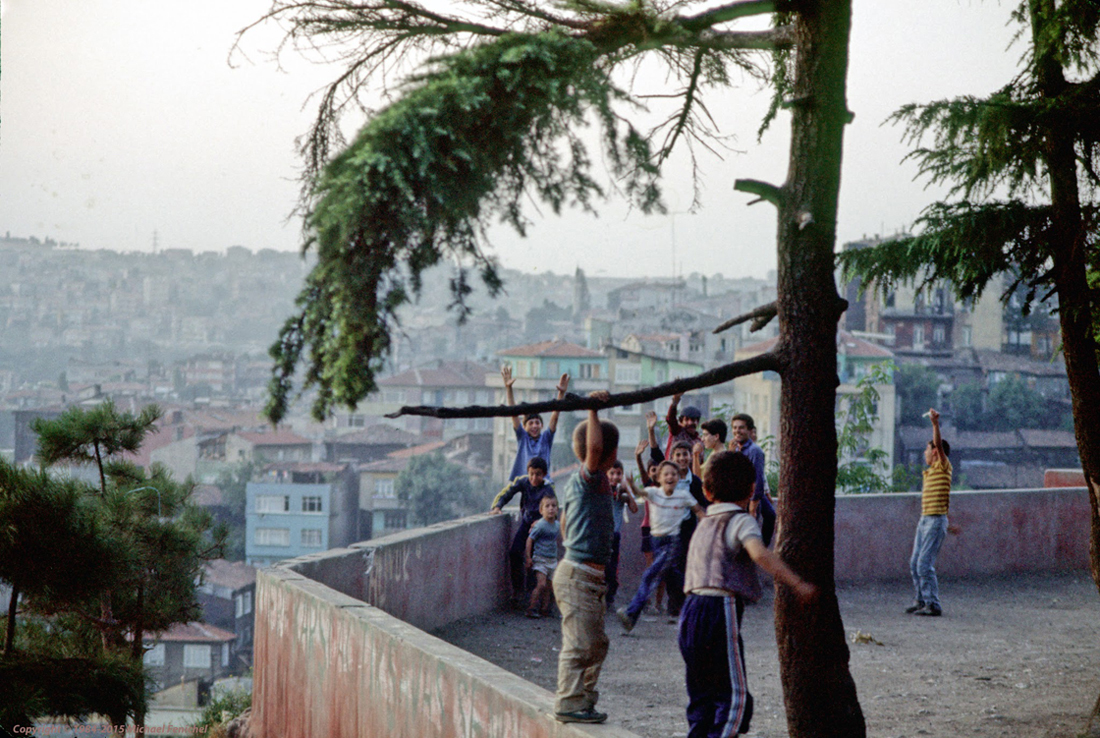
(225, 654)
(238, 606)
(938, 334)
(967, 335)
(394, 519)
(311, 537)
(154, 656)
(272, 536)
(357, 421)
(628, 410)
(383, 488)
(247, 602)
(628, 374)
(918, 336)
(311, 503)
(196, 656)
(590, 371)
(272, 503)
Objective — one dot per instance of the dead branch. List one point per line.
(763, 313)
(718, 375)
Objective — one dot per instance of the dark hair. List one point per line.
(616, 464)
(663, 464)
(945, 444)
(547, 496)
(537, 462)
(745, 417)
(691, 412)
(716, 427)
(532, 416)
(729, 476)
(610, 440)
(680, 444)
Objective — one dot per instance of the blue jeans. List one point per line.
(666, 551)
(931, 530)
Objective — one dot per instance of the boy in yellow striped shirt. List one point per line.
(932, 528)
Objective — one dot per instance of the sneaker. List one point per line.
(918, 605)
(533, 614)
(930, 610)
(587, 715)
(625, 619)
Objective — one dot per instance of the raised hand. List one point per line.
(563, 385)
(506, 375)
(651, 420)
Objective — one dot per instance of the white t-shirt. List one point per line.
(666, 511)
(740, 528)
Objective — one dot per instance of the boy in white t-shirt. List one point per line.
(668, 506)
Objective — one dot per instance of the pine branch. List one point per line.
(763, 191)
(763, 313)
(719, 375)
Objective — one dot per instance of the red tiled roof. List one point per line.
(853, 346)
(424, 448)
(553, 348)
(449, 374)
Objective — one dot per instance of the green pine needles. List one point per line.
(422, 182)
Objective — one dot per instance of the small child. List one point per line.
(721, 575)
(531, 488)
(935, 497)
(541, 555)
(580, 580)
(668, 505)
(622, 492)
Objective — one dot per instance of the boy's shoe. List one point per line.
(918, 605)
(930, 610)
(533, 614)
(587, 715)
(624, 618)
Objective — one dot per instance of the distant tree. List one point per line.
(159, 539)
(1013, 404)
(233, 484)
(860, 466)
(435, 489)
(968, 406)
(917, 390)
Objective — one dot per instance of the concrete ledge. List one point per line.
(326, 666)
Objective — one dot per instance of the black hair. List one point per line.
(680, 444)
(610, 440)
(616, 464)
(946, 446)
(716, 427)
(729, 476)
(537, 462)
(745, 417)
(532, 416)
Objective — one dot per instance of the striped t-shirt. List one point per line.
(936, 490)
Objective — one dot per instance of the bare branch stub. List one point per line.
(764, 362)
(763, 313)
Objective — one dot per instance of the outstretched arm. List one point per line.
(563, 385)
(641, 464)
(594, 436)
(670, 418)
(631, 495)
(770, 562)
(509, 380)
(937, 439)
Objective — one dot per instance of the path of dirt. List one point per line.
(1010, 657)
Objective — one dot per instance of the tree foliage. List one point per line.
(918, 389)
(472, 136)
(861, 467)
(435, 489)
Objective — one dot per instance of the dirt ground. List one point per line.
(1010, 657)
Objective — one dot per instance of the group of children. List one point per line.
(707, 528)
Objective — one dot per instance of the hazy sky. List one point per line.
(119, 118)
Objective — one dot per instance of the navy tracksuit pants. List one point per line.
(719, 703)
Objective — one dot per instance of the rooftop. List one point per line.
(551, 349)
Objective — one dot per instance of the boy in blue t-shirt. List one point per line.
(580, 585)
(531, 439)
(541, 555)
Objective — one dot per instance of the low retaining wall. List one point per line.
(340, 647)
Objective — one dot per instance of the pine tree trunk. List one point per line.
(819, 692)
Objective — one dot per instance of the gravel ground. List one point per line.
(1010, 657)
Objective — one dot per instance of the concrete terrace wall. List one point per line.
(1000, 532)
(330, 665)
(341, 651)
